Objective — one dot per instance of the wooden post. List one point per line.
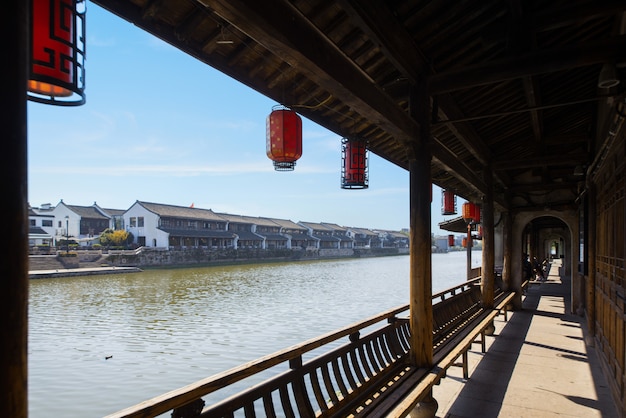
(591, 260)
(488, 262)
(14, 243)
(421, 312)
(507, 277)
(420, 290)
(468, 250)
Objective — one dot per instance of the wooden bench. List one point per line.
(370, 375)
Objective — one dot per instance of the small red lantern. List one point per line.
(354, 173)
(284, 138)
(471, 213)
(448, 202)
(450, 240)
(464, 242)
(57, 71)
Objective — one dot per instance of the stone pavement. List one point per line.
(536, 365)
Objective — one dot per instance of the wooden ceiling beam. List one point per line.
(532, 63)
(379, 24)
(279, 27)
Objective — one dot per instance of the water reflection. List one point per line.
(99, 344)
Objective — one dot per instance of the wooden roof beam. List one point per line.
(281, 28)
(532, 63)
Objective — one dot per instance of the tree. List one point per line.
(115, 238)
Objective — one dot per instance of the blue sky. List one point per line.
(160, 126)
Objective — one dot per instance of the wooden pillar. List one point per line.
(421, 313)
(488, 262)
(421, 289)
(14, 243)
(591, 260)
(508, 251)
(468, 250)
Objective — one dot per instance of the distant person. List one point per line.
(527, 269)
(537, 270)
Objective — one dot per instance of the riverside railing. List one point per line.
(385, 344)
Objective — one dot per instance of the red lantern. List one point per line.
(354, 164)
(284, 139)
(57, 72)
(450, 240)
(448, 202)
(471, 213)
(464, 242)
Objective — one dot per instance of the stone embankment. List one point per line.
(84, 262)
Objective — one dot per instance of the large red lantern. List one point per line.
(354, 173)
(448, 202)
(284, 138)
(450, 240)
(57, 53)
(471, 213)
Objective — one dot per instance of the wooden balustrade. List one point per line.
(353, 373)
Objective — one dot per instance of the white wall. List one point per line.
(150, 226)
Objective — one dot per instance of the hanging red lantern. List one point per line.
(464, 242)
(448, 202)
(450, 240)
(284, 138)
(354, 171)
(471, 213)
(57, 71)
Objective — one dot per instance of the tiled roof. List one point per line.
(88, 212)
(182, 212)
(36, 230)
(114, 212)
(287, 224)
(247, 235)
(274, 237)
(198, 233)
(335, 227)
(363, 231)
(316, 226)
(252, 220)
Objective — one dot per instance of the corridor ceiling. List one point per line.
(513, 85)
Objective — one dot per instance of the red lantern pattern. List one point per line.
(448, 202)
(450, 240)
(284, 139)
(354, 173)
(471, 213)
(57, 74)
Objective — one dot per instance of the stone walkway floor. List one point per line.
(536, 365)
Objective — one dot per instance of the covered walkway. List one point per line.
(538, 365)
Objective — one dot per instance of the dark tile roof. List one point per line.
(198, 233)
(114, 212)
(87, 212)
(182, 212)
(37, 230)
(287, 224)
(274, 237)
(247, 235)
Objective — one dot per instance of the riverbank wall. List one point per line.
(154, 257)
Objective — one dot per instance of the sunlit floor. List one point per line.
(536, 365)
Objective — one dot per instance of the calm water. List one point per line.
(164, 329)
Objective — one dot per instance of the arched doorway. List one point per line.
(546, 234)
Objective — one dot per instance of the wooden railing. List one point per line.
(304, 383)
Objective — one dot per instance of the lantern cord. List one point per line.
(320, 104)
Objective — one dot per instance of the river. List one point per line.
(98, 344)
